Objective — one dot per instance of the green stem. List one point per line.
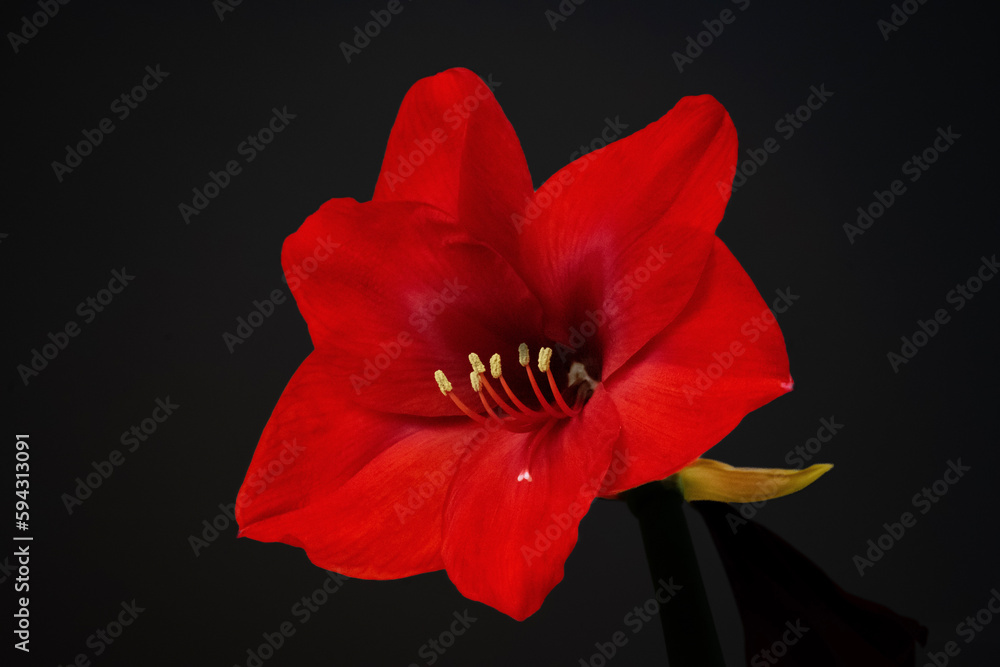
(688, 628)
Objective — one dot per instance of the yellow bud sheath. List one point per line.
(706, 479)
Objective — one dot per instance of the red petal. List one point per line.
(406, 293)
(363, 493)
(675, 397)
(506, 540)
(597, 249)
(452, 147)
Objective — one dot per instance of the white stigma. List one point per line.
(578, 373)
(442, 381)
(524, 476)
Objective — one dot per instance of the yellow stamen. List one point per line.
(477, 364)
(486, 404)
(544, 359)
(513, 416)
(514, 399)
(447, 390)
(538, 392)
(495, 370)
(560, 401)
(443, 383)
(497, 373)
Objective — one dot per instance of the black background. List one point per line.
(162, 336)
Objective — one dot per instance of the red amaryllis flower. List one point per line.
(651, 344)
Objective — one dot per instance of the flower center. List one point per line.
(511, 412)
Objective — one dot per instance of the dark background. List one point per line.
(162, 336)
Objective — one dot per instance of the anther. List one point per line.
(523, 357)
(544, 359)
(477, 364)
(495, 370)
(443, 383)
(447, 390)
(477, 386)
